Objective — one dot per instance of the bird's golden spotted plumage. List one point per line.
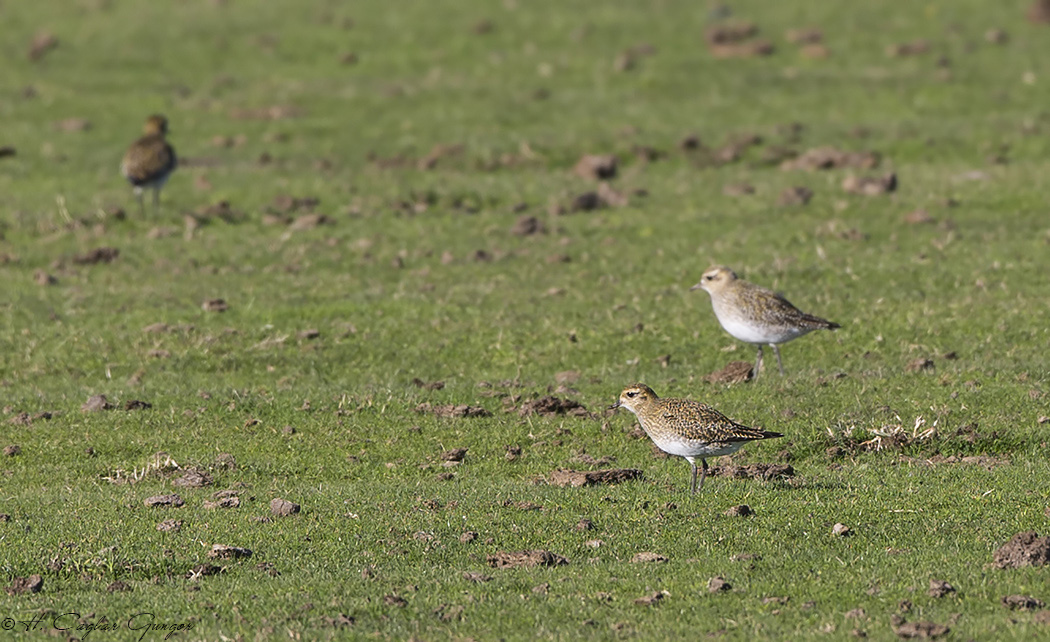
(150, 160)
(755, 314)
(689, 429)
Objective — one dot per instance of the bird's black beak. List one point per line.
(614, 406)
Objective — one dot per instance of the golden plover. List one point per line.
(150, 160)
(753, 314)
(686, 428)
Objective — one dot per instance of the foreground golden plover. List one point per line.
(686, 428)
(150, 160)
(753, 314)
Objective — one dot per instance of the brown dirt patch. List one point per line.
(432, 385)
(528, 226)
(43, 42)
(651, 599)
(822, 158)
(743, 510)
(503, 559)
(646, 557)
(137, 404)
(224, 501)
(870, 185)
(920, 630)
(283, 507)
(287, 204)
(118, 587)
(172, 500)
(26, 419)
(96, 403)
(222, 551)
(310, 221)
(922, 364)
(192, 478)
(841, 530)
(455, 454)
(1023, 549)
(12, 450)
(477, 578)
(795, 196)
(97, 255)
(1021, 603)
(940, 588)
(203, 570)
(1038, 12)
(596, 167)
(733, 372)
(718, 584)
(453, 411)
(170, 526)
(215, 305)
(913, 48)
(753, 471)
(550, 406)
(578, 478)
(22, 585)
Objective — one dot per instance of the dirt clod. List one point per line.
(528, 226)
(870, 185)
(922, 364)
(192, 478)
(734, 372)
(503, 559)
(97, 255)
(940, 588)
(1038, 12)
(22, 585)
(450, 411)
(718, 584)
(651, 599)
(841, 530)
(227, 501)
(584, 525)
(550, 406)
(743, 510)
(96, 403)
(42, 43)
(467, 537)
(12, 450)
(172, 500)
(170, 526)
(477, 578)
(222, 551)
(795, 196)
(283, 507)
(647, 556)
(920, 630)
(578, 478)
(215, 305)
(455, 454)
(118, 587)
(596, 167)
(1021, 603)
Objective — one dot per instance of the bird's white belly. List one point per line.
(756, 332)
(691, 448)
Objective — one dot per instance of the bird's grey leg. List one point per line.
(758, 361)
(692, 484)
(780, 363)
(703, 473)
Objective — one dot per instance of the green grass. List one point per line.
(525, 100)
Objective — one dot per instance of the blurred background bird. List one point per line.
(150, 160)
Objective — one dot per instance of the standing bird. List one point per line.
(150, 160)
(686, 428)
(753, 314)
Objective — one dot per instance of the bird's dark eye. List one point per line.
(710, 277)
(632, 394)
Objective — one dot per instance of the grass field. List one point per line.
(376, 160)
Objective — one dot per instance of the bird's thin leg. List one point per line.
(156, 200)
(142, 203)
(780, 363)
(758, 361)
(692, 485)
(703, 472)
